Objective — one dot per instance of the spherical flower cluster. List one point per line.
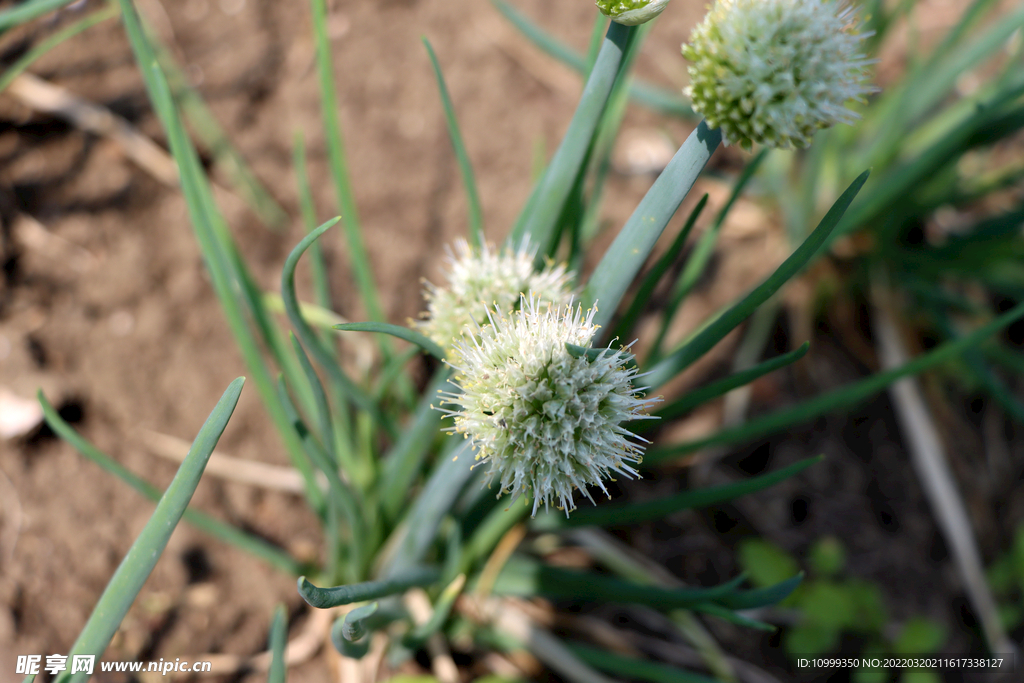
(484, 278)
(631, 12)
(774, 72)
(544, 420)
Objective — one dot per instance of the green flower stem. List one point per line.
(660, 100)
(638, 236)
(137, 565)
(557, 182)
(451, 474)
(325, 598)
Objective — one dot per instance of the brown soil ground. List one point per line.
(105, 304)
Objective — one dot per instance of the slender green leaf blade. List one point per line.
(272, 555)
(53, 41)
(278, 641)
(476, 214)
(27, 11)
(633, 668)
(723, 386)
(840, 398)
(680, 359)
(137, 564)
(634, 513)
(358, 256)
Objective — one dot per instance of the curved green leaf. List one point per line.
(325, 598)
(405, 333)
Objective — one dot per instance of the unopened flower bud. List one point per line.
(632, 12)
(774, 72)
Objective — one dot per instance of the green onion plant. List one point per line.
(532, 377)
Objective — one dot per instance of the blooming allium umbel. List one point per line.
(774, 72)
(546, 421)
(632, 12)
(479, 279)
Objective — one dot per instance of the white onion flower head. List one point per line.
(774, 72)
(545, 421)
(479, 279)
(631, 12)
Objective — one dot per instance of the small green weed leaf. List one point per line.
(828, 605)
(870, 605)
(766, 563)
(827, 556)
(278, 641)
(807, 639)
(919, 636)
(409, 335)
(918, 676)
(324, 598)
(864, 675)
